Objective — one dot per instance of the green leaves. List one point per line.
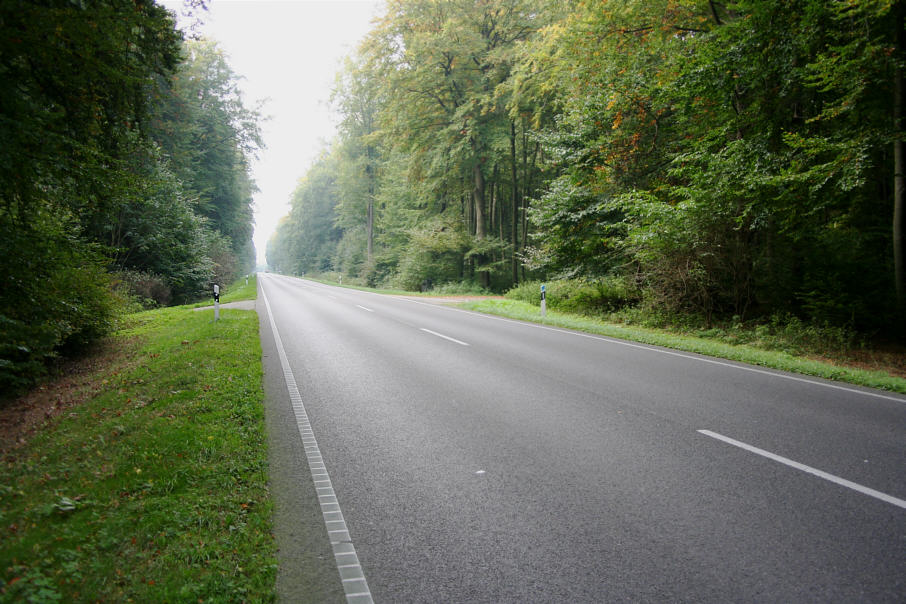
(722, 153)
(734, 158)
(102, 168)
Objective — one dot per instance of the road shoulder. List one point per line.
(306, 568)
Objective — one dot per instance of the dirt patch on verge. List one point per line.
(74, 382)
(890, 360)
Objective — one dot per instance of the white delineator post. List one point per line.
(543, 302)
(216, 302)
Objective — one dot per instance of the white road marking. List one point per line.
(363, 308)
(440, 335)
(815, 472)
(613, 340)
(317, 468)
(693, 357)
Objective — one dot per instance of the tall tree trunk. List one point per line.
(484, 278)
(899, 166)
(492, 215)
(500, 220)
(479, 189)
(369, 225)
(514, 233)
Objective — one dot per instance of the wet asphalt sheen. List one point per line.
(483, 460)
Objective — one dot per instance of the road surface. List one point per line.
(468, 458)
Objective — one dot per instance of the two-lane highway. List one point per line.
(466, 458)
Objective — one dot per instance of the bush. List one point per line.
(56, 297)
(788, 331)
(580, 296)
(148, 290)
(455, 288)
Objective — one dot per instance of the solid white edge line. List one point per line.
(694, 357)
(814, 471)
(440, 335)
(342, 548)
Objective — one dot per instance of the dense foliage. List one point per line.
(734, 158)
(123, 172)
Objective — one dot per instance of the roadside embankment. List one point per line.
(150, 485)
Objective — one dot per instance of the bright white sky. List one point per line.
(288, 52)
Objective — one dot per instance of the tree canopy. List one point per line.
(124, 172)
(740, 158)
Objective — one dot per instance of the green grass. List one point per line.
(233, 293)
(240, 291)
(748, 354)
(155, 490)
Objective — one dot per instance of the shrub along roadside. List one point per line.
(580, 296)
(156, 489)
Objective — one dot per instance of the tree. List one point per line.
(358, 98)
(306, 240)
(726, 155)
(75, 81)
(210, 139)
(443, 63)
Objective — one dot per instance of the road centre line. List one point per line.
(363, 308)
(345, 547)
(808, 469)
(694, 357)
(440, 335)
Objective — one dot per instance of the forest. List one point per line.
(730, 161)
(125, 181)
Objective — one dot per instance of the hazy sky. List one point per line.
(288, 51)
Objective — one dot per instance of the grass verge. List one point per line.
(523, 311)
(234, 292)
(154, 490)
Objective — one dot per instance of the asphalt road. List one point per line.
(478, 459)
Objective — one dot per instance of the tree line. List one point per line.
(124, 172)
(729, 159)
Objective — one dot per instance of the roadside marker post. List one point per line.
(216, 302)
(543, 302)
